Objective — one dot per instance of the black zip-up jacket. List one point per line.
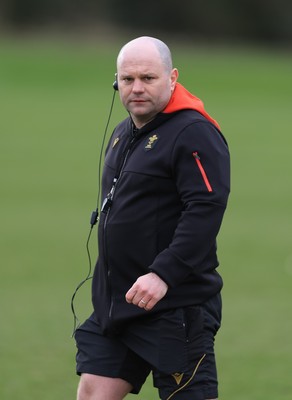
(165, 189)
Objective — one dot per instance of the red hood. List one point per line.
(181, 99)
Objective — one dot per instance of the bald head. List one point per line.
(145, 78)
(146, 45)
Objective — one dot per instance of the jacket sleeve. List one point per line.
(201, 168)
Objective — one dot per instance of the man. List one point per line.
(155, 290)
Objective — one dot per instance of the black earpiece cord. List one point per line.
(93, 220)
(95, 213)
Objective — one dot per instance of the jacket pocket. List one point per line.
(203, 172)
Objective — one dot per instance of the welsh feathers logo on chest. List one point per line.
(117, 139)
(151, 142)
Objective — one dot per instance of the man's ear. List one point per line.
(173, 77)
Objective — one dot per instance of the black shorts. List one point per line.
(176, 345)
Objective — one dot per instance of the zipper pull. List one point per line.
(108, 200)
(106, 204)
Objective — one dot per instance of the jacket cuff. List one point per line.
(170, 269)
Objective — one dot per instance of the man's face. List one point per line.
(145, 85)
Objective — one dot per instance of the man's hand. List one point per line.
(147, 291)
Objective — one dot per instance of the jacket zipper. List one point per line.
(203, 172)
(106, 206)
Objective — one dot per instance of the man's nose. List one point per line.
(138, 86)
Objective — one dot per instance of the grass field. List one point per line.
(54, 101)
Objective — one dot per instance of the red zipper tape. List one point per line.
(201, 168)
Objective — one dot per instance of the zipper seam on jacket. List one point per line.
(109, 199)
(203, 172)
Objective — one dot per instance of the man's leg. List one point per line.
(94, 387)
(108, 368)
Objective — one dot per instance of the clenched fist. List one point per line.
(147, 291)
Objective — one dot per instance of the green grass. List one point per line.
(54, 101)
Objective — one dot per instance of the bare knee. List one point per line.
(93, 387)
(86, 387)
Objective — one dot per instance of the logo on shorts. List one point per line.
(151, 142)
(177, 377)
